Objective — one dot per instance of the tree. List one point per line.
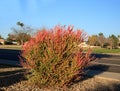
(11, 37)
(1, 37)
(101, 34)
(20, 24)
(119, 40)
(101, 39)
(110, 43)
(21, 34)
(22, 37)
(118, 36)
(93, 40)
(114, 41)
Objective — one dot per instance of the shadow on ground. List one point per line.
(88, 72)
(11, 77)
(105, 55)
(95, 85)
(102, 55)
(110, 87)
(8, 66)
(96, 69)
(8, 78)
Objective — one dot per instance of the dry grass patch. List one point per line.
(17, 47)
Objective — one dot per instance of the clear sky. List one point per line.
(94, 16)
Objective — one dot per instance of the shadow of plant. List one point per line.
(11, 77)
(110, 87)
(88, 73)
(7, 66)
(90, 83)
(99, 56)
(102, 55)
(91, 71)
(98, 67)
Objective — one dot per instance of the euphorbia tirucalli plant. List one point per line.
(54, 56)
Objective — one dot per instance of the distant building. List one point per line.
(84, 44)
(15, 43)
(2, 41)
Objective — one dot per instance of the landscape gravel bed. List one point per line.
(12, 79)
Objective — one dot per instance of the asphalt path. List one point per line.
(9, 54)
(103, 62)
(106, 62)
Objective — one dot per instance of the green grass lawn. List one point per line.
(105, 50)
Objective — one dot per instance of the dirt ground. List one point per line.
(12, 79)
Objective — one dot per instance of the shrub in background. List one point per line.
(54, 56)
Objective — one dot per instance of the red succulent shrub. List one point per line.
(54, 56)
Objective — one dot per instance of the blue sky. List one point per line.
(94, 16)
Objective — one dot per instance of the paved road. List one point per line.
(9, 54)
(104, 62)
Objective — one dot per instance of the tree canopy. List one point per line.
(21, 34)
(112, 41)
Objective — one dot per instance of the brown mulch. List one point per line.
(13, 79)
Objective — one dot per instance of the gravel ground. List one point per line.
(12, 79)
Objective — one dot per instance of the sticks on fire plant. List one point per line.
(54, 56)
